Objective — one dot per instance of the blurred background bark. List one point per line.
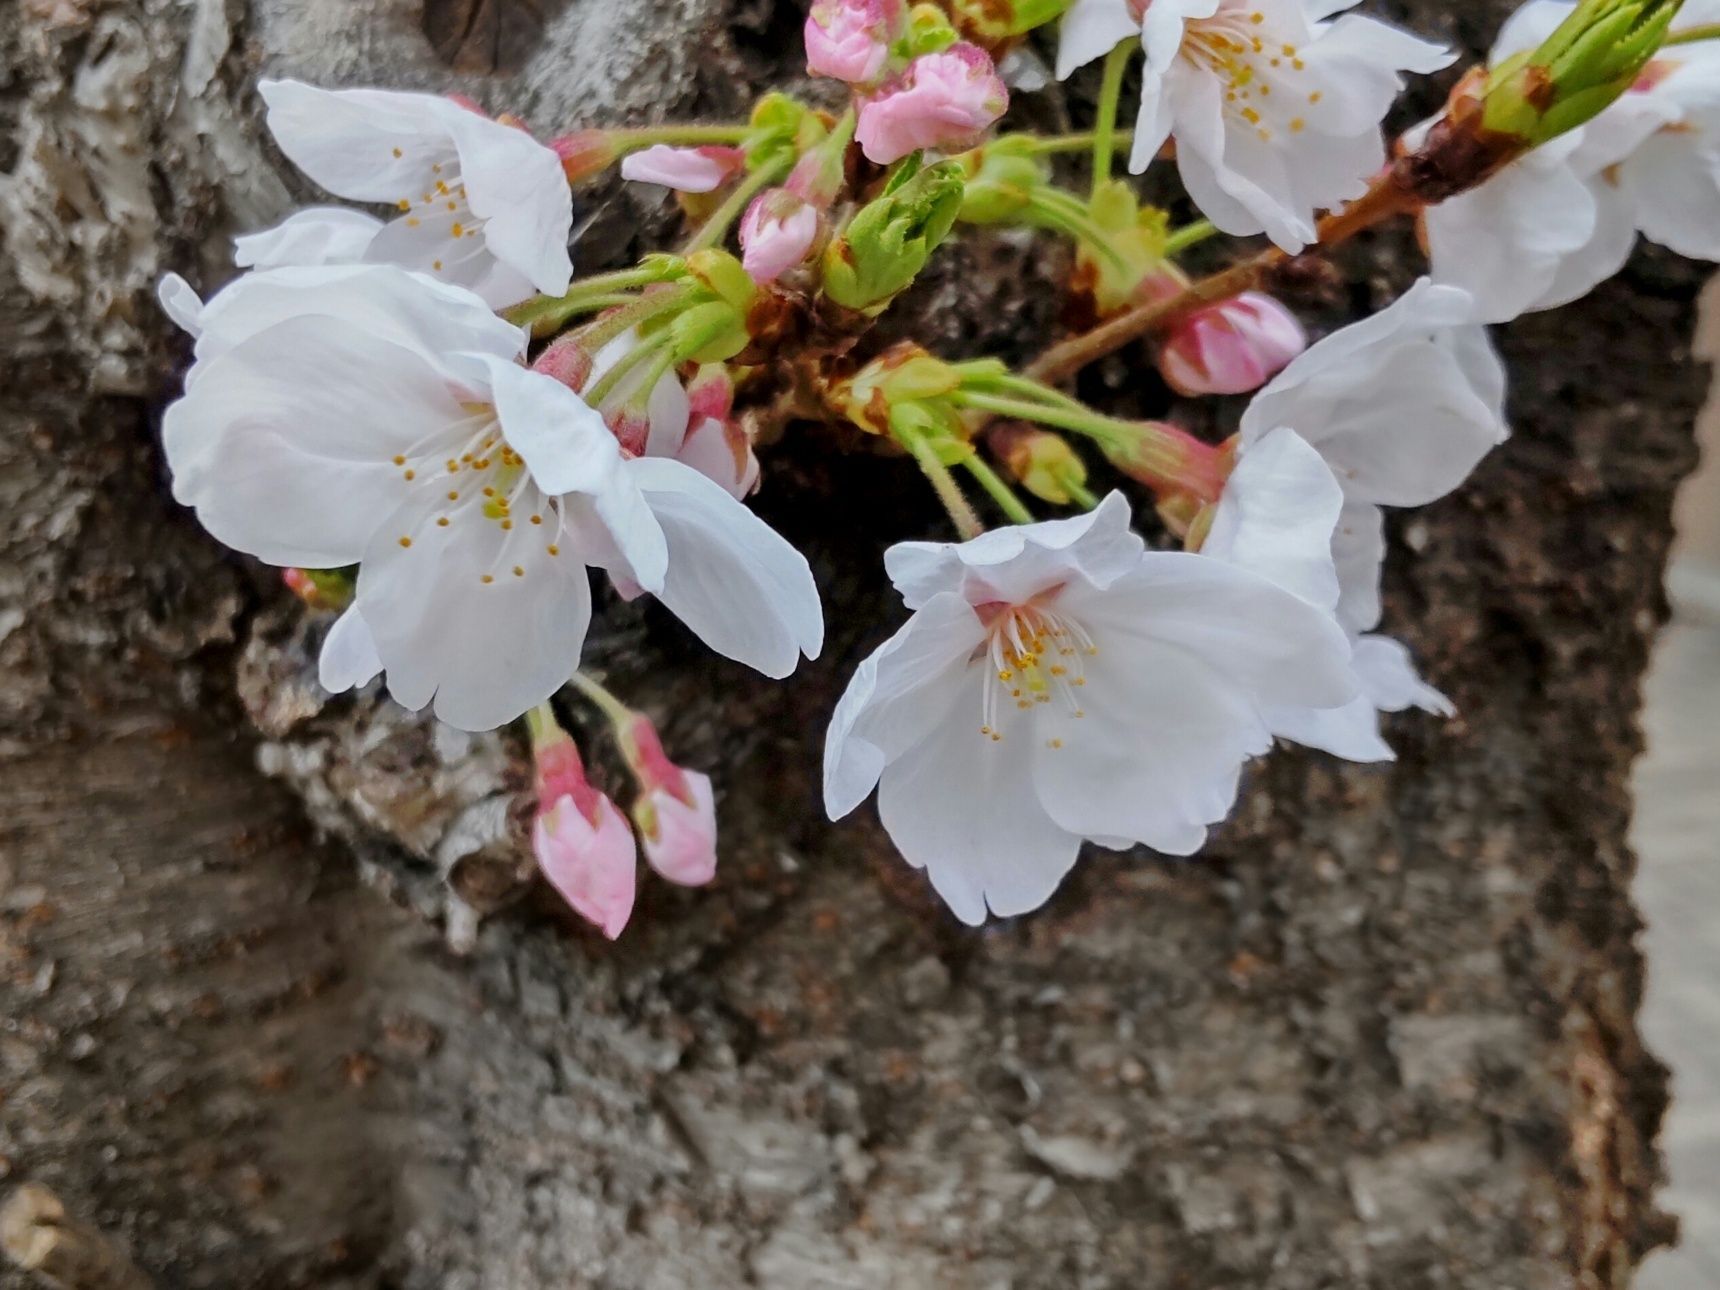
(280, 1005)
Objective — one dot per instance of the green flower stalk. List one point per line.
(888, 242)
(1579, 71)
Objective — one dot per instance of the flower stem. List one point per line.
(636, 357)
(632, 139)
(1084, 497)
(1105, 127)
(1692, 35)
(1385, 200)
(600, 331)
(1052, 145)
(942, 481)
(734, 206)
(1065, 214)
(1081, 420)
(1189, 235)
(617, 712)
(544, 314)
(999, 491)
(541, 723)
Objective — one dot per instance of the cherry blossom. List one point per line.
(686, 170)
(850, 39)
(676, 812)
(371, 416)
(1555, 224)
(943, 100)
(1401, 406)
(481, 204)
(777, 233)
(1058, 682)
(581, 839)
(1275, 108)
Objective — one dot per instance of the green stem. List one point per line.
(1065, 214)
(1085, 421)
(1189, 235)
(1022, 387)
(544, 314)
(541, 723)
(735, 204)
(632, 139)
(1084, 498)
(633, 358)
(943, 483)
(1000, 492)
(1691, 35)
(600, 332)
(618, 713)
(1105, 127)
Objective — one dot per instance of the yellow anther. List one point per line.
(554, 549)
(436, 265)
(519, 572)
(399, 153)
(442, 522)
(405, 541)
(404, 204)
(537, 519)
(486, 579)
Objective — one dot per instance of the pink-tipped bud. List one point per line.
(585, 153)
(723, 451)
(566, 359)
(582, 841)
(850, 40)
(676, 812)
(943, 100)
(319, 588)
(711, 393)
(686, 170)
(777, 233)
(1232, 347)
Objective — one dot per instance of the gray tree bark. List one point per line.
(316, 1026)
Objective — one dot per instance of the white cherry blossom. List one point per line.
(1277, 517)
(1555, 224)
(366, 415)
(1058, 682)
(315, 236)
(480, 203)
(1275, 105)
(1401, 406)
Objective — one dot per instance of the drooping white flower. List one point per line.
(1275, 107)
(368, 415)
(1555, 224)
(1277, 517)
(1057, 682)
(1401, 406)
(481, 203)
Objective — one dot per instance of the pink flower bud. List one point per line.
(721, 450)
(777, 233)
(583, 843)
(683, 847)
(566, 359)
(943, 101)
(1232, 347)
(687, 170)
(585, 153)
(590, 861)
(850, 39)
(676, 813)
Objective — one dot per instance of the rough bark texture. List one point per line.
(1382, 1034)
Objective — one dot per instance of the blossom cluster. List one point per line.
(413, 408)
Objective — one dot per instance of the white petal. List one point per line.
(962, 807)
(1091, 29)
(349, 660)
(317, 236)
(1277, 516)
(518, 187)
(180, 302)
(731, 578)
(897, 697)
(562, 439)
(1351, 732)
(428, 245)
(486, 652)
(1390, 681)
(285, 443)
(1603, 256)
(1359, 552)
(1676, 188)
(365, 145)
(1017, 563)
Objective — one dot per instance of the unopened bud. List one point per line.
(581, 840)
(901, 375)
(585, 153)
(777, 233)
(1592, 59)
(676, 810)
(320, 588)
(1002, 178)
(566, 359)
(1170, 461)
(888, 242)
(1043, 462)
(686, 170)
(1231, 347)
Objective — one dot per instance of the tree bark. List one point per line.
(317, 1027)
